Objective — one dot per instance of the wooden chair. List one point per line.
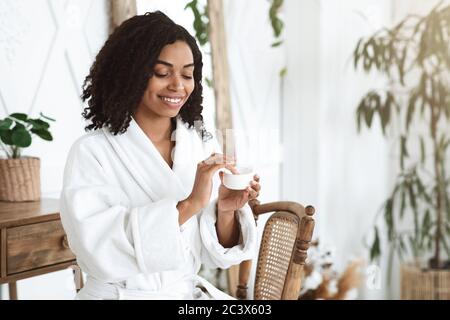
(284, 244)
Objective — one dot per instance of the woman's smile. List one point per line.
(173, 101)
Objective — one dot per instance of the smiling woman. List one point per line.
(172, 83)
(139, 57)
(142, 203)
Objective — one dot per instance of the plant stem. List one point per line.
(16, 152)
(437, 172)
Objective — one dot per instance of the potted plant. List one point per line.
(20, 176)
(414, 57)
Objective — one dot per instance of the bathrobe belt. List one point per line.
(114, 291)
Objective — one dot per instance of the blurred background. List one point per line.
(294, 111)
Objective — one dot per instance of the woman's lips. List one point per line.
(172, 102)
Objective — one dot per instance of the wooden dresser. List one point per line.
(32, 242)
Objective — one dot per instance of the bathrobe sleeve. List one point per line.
(112, 240)
(214, 255)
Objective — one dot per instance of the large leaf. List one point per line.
(38, 124)
(5, 136)
(21, 138)
(42, 133)
(19, 116)
(5, 124)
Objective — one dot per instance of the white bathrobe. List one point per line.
(118, 208)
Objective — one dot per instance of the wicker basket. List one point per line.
(418, 284)
(20, 179)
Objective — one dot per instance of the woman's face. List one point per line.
(172, 82)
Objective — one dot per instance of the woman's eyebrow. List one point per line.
(171, 65)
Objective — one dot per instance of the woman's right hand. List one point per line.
(201, 191)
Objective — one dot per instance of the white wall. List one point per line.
(345, 175)
(46, 49)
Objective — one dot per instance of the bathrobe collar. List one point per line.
(144, 162)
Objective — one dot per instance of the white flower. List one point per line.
(312, 281)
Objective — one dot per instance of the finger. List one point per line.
(256, 177)
(255, 186)
(221, 176)
(211, 159)
(245, 195)
(218, 158)
(252, 194)
(213, 168)
(232, 168)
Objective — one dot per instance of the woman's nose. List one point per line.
(176, 84)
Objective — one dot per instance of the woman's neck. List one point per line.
(157, 128)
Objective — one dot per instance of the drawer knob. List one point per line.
(65, 242)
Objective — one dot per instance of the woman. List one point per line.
(137, 203)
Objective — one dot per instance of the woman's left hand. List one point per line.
(232, 200)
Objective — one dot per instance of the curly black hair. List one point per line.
(119, 75)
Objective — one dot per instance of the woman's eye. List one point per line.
(159, 75)
(187, 77)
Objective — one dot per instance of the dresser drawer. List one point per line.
(36, 245)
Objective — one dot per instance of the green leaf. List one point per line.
(422, 150)
(403, 151)
(385, 111)
(283, 72)
(388, 217)
(41, 124)
(402, 247)
(375, 248)
(412, 197)
(422, 191)
(42, 133)
(368, 116)
(21, 138)
(356, 53)
(410, 110)
(276, 44)
(401, 65)
(402, 203)
(359, 113)
(19, 116)
(209, 82)
(426, 225)
(200, 22)
(5, 124)
(277, 24)
(5, 136)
